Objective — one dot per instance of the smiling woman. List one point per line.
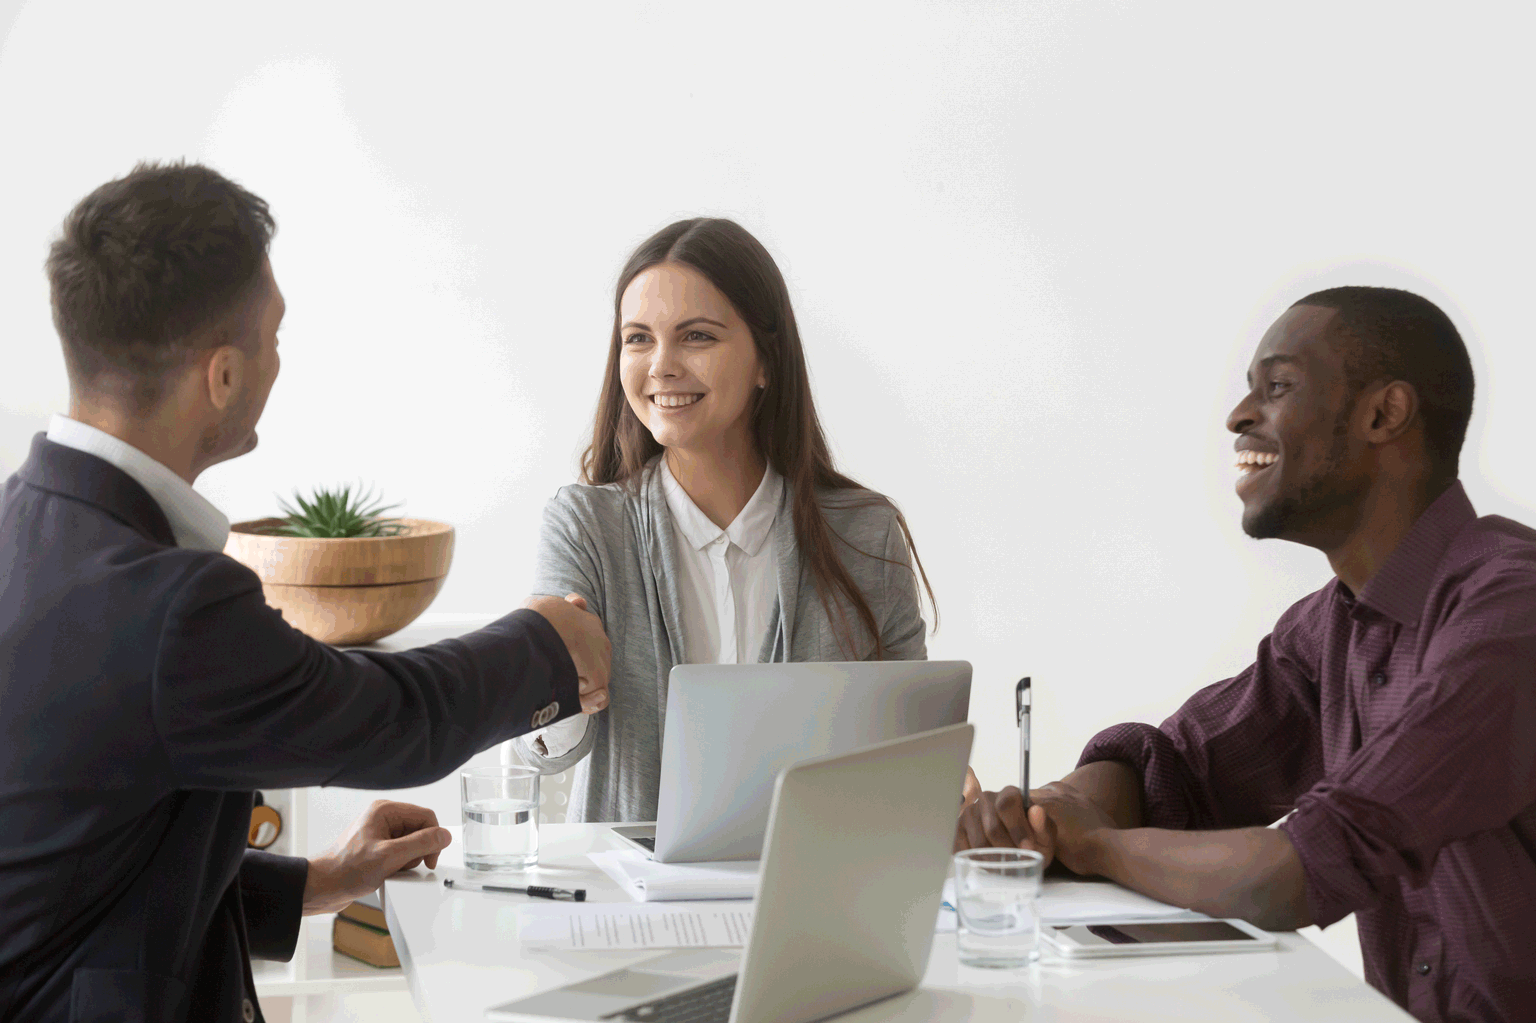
(710, 525)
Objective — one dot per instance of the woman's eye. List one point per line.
(698, 335)
(635, 339)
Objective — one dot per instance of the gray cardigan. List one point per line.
(617, 548)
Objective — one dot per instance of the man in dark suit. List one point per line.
(146, 689)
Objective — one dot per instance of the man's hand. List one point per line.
(386, 839)
(584, 639)
(1071, 826)
(1062, 823)
(971, 790)
(997, 820)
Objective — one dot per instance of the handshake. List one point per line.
(585, 641)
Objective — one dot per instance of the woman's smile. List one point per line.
(673, 402)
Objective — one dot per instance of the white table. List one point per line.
(461, 955)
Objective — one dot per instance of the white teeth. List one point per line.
(1255, 459)
(675, 400)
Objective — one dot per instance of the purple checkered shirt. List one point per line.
(1401, 727)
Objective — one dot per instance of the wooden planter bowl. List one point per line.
(346, 591)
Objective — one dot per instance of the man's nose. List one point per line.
(1242, 418)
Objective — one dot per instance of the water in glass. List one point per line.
(998, 923)
(997, 893)
(501, 834)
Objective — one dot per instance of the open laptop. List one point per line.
(731, 728)
(857, 849)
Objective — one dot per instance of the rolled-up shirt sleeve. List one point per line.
(1238, 752)
(1458, 761)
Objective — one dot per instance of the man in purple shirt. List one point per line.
(1394, 710)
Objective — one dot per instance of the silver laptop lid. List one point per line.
(857, 849)
(731, 728)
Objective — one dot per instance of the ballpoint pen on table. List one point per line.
(1021, 698)
(577, 895)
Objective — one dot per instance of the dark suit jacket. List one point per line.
(145, 691)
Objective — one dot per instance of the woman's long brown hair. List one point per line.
(784, 421)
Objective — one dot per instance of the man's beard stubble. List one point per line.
(232, 436)
(1319, 495)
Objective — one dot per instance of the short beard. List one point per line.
(220, 442)
(1320, 494)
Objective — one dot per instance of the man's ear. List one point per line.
(1389, 410)
(226, 372)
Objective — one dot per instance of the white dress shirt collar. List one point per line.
(195, 523)
(750, 529)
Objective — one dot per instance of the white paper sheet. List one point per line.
(1072, 902)
(618, 925)
(648, 881)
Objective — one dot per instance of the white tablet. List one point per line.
(1155, 937)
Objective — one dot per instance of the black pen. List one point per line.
(1021, 698)
(578, 895)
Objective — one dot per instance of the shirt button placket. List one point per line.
(725, 601)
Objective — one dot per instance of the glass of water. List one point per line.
(997, 897)
(501, 817)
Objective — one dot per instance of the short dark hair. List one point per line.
(1390, 334)
(147, 264)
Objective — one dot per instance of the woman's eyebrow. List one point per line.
(681, 326)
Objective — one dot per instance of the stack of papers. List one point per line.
(1064, 901)
(621, 925)
(1075, 902)
(648, 881)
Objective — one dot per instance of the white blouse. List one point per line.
(729, 585)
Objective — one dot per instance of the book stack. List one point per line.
(360, 932)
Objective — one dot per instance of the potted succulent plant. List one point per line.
(340, 568)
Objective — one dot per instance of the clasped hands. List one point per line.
(1062, 823)
(586, 642)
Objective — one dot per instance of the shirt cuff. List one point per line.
(559, 738)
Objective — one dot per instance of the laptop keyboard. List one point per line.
(708, 1004)
(649, 843)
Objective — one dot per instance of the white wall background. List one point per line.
(1032, 246)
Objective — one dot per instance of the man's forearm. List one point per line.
(1114, 787)
(1251, 873)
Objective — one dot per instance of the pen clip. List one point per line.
(1021, 698)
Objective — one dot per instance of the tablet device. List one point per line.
(1155, 937)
